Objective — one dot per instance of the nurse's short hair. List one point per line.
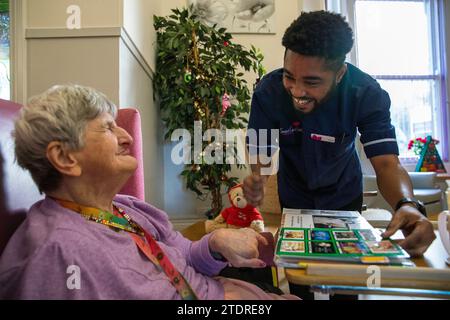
(59, 114)
(320, 34)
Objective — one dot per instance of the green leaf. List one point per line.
(204, 92)
(4, 6)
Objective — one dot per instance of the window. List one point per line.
(398, 43)
(5, 79)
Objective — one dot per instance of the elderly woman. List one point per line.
(84, 242)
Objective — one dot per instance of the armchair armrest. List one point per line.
(423, 180)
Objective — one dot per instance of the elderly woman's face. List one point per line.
(106, 153)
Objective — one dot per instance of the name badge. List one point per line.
(319, 137)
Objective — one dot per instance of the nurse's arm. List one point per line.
(392, 179)
(254, 185)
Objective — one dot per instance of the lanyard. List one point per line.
(149, 248)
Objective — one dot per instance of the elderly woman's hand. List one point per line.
(238, 246)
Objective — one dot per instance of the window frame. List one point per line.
(438, 44)
(7, 66)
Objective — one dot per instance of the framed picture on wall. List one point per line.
(237, 16)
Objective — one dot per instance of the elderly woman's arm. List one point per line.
(239, 247)
(197, 254)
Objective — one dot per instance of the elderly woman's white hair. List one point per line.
(59, 114)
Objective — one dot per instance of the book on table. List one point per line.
(341, 236)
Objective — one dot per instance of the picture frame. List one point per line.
(237, 16)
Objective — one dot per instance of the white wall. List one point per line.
(87, 56)
(270, 44)
(137, 65)
(94, 13)
(136, 91)
(86, 61)
(138, 23)
(313, 5)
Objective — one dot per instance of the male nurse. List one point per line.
(318, 103)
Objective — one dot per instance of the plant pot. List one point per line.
(211, 213)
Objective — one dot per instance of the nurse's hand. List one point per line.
(417, 229)
(253, 187)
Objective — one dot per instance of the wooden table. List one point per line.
(433, 259)
(433, 262)
(195, 231)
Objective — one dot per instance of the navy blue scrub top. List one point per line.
(314, 173)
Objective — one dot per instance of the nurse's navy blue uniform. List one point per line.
(319, 166)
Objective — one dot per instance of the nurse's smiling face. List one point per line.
(308, 80)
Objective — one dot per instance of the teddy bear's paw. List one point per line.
(257, 225)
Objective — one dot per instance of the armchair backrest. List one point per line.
(423, 180)
(420, 180)
(130, 120)
(17, 190)
(424, 187)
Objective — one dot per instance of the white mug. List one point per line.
(444, 231)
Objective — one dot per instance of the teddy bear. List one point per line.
(239, 215)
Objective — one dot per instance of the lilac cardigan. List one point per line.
(39, 261)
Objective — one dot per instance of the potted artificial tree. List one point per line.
(199, 79)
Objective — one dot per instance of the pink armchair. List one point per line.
(18, 191)
(130, 120)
